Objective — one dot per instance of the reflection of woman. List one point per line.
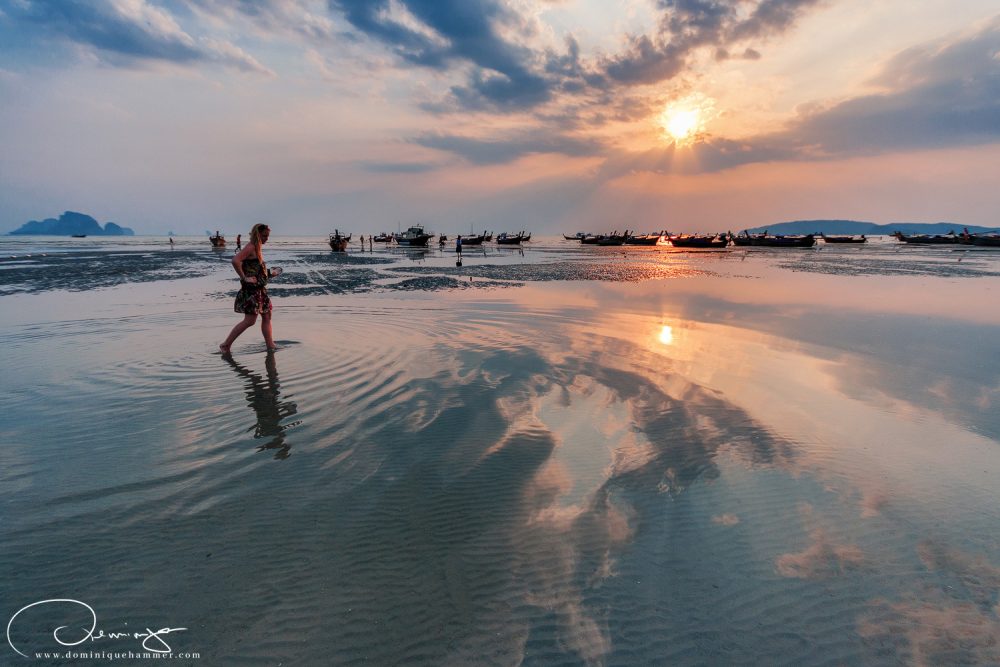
(252, 299)
(263, 395)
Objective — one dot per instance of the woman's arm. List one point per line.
(238, 263)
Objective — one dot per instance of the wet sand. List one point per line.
(566, 456)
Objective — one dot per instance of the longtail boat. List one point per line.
(699, 240)
(926, 239)
(844, 239)
(338, 243)
(774, 241)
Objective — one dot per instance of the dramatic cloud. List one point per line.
(125, 32)
(444, 34)
(688, 25)
(938, 95)
(947, 94)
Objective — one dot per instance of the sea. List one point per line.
(548, 455)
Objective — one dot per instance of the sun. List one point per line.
(683, 121)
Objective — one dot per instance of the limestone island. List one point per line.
(72, 223)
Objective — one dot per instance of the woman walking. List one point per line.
(252, 299)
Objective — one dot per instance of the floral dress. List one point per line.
(253, 299)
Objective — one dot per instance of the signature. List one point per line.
(152, 640)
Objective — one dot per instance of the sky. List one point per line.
(547, 115)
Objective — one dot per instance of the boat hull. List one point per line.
(762, 241)
(642, 240)
(415, 242)
(715, 241)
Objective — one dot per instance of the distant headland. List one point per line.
(869, 228)
(72, 223)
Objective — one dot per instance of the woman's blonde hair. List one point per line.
(255, 233)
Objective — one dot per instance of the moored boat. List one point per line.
(987, 239)
(512, 239)
(643, 239)
(699, 240)
(613, 239)
(383, 238)
(414, 237)
(926, 239)
(843, 238)
(338, 243)
(774, 240)
(575, 237)
(218, 241)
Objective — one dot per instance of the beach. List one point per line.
(557, 455)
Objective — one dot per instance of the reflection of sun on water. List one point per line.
(666, 335)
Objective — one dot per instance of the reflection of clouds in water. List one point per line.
(660, 444)
(726, 519)
(528, 480)
(974, 575)
(822, 558)
(873, 501)
(933, 631)
(954, 621)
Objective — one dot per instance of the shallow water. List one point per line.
(562, 456)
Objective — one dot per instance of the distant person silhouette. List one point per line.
(239, 241)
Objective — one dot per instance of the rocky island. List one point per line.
(72, 223)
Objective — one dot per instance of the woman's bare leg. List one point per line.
(265, 328)
(246, 323)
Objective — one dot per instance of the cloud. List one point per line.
(689, 25)
(451, 34)
(441, 34)
(501, 151)
(398, 167)
(124, 32)
(271, 16)
(937, 95)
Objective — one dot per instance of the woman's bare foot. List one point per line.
(223, 348)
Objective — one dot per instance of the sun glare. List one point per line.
(681, 123)
(684, 120)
